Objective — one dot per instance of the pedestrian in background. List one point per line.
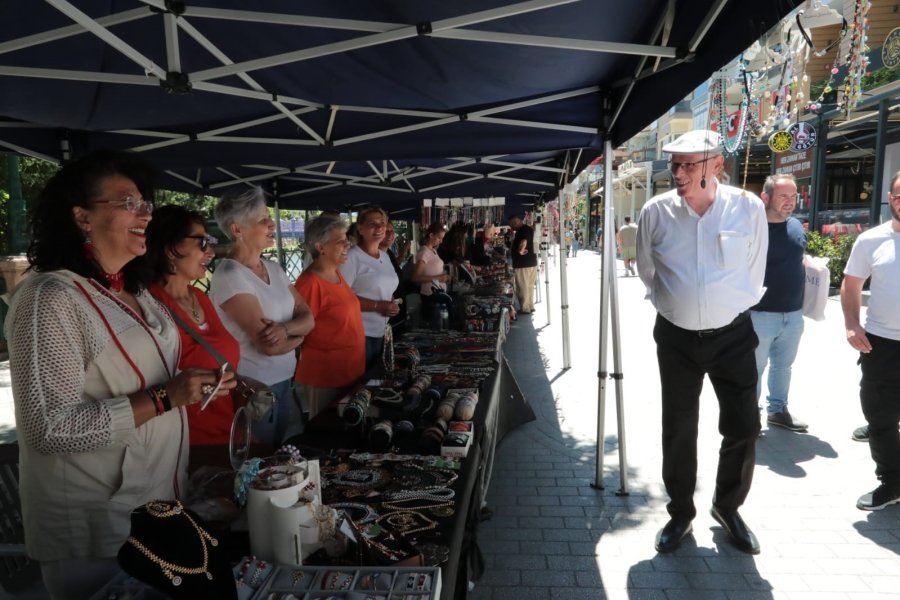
(874, 255)
(627, 238)
(778, 318)
(701, 252)
(524, 262)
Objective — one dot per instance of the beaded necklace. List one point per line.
(162, 510)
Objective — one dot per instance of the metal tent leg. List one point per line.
(609, 308)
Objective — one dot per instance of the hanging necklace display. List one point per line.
(164, 510)
(856, 58)
(388, 349)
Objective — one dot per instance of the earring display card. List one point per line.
(351, 583)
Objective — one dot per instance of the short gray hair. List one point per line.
(773, 180)
(238, 207)
(319, 230)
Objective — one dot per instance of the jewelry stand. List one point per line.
(170, 549)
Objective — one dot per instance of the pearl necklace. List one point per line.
(162, 510)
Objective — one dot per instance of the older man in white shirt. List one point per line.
(701, 252)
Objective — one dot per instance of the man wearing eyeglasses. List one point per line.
(701, 252)
(874, 255)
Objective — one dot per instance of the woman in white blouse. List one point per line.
(99, 406)
(370, 274)
(259, 306)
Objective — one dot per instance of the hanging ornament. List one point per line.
(856, 59)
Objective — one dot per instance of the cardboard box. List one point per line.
(456, 444)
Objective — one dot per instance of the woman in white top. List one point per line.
(370, 274)
(259, 306)
(99, 408)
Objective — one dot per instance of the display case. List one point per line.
(350, 583)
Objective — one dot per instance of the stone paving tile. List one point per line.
(553, 578)
(521, 593)
(562, 511)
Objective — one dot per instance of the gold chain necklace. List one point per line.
(195, 310)
(162, 510)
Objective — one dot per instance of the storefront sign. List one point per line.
(804, 136)
(890, 51)
(798, 164)
(780, 141)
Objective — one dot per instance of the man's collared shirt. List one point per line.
(703, 271)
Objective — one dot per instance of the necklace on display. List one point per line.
(173, 572)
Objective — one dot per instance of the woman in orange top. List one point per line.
(334, 352)
(178, 252)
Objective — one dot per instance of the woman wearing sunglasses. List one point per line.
(178, 253)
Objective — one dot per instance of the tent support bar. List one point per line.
(563, 195)
(173, 54)
(530, 166)
(704, 27)
(187, 180)
(495, 37)
(657, 31)
(107, 36)
(545, 250)
(609, 307)
(72, 30)
(520, 180)
(535, 124)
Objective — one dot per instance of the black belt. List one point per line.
(714, 332)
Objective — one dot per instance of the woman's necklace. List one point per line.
(162, 510)
(195, 309)
(116, 281)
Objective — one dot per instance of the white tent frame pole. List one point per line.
(496, 37)
(72, 30)
(617, 375)
(173, 53)
(279, 241)
(609, 307)
(107, 36)
(563, 196)
(545, 251)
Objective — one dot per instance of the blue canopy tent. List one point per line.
(332, 104)
(396, 100)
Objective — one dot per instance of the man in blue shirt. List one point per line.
(778, 318)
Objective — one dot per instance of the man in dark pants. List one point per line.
(701, 252)
(524, 262)
(875, 255)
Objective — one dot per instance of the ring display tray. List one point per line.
(351, 583)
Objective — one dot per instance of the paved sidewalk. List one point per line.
(555, 536)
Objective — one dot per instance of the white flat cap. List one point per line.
(695, 142)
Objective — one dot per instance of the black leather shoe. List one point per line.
(740, 535)
(670, 536)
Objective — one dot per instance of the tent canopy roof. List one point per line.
(396, 99)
